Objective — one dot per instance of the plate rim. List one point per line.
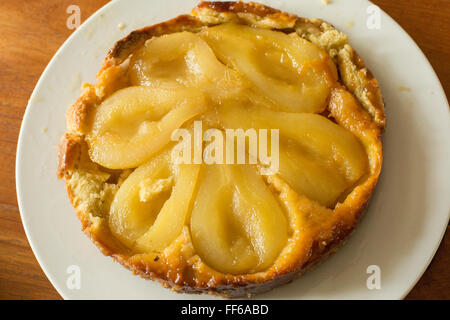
(441, 88)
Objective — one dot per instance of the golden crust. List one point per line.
(91, 187)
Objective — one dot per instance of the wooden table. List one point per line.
(32, 31)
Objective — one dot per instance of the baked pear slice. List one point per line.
(182, 58)
(237, 225)
(136, 122)
(293, 74)
(318, 158)
(151, 207)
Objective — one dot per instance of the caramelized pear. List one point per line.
(290, 72)
(237, 225)
(151, 206)
(136, 122)
(318, 158)
(184, 59)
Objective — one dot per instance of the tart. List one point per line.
(228, 229)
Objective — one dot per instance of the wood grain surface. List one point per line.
(32, 31)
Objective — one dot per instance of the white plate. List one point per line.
(400, 233)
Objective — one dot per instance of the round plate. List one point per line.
(400, 233)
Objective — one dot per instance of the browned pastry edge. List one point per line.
(354, 76)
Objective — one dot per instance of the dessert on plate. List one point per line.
(228, 229)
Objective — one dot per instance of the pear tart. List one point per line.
(215, 228)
